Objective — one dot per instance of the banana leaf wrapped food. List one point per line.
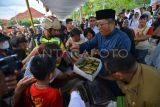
(88, 66)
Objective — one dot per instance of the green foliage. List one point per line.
(12, 22)
(23, 22)
(36, 21)
(91, 6)
(142, 1)
(1, 23)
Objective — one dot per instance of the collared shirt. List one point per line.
(144, 89)
(95, 29)
(115, 40)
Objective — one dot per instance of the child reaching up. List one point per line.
(40, 94)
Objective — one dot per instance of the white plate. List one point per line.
(90, 77)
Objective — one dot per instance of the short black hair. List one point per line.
(119, 60)
(132, 11)
(91, 17)
(143, 16)
(75, 31)
(42, 65)
(144, 8)
(68, 20)
(17, 40)
(89, 30)
(50, 49)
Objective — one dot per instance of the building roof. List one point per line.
(25, 15)
(4, 20)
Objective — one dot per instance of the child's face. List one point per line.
(89, 36)
(76, 38)
(143, 21)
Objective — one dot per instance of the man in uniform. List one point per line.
(139, 82)
(107, 39)
(51, 28)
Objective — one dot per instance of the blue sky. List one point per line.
(9, 8)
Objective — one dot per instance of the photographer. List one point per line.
(7, 82)
(4, 46)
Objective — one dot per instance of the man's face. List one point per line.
(83, 20)
(69, 25)
(118, 76)
(55, 32)
(4, 45)
(105, 27)
(92, 22)
(47, 33)
(126, 24)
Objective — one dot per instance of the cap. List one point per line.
(105, 14)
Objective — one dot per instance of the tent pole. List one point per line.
(103, 4)
(31, 19)
(81, 14)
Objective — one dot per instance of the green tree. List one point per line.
(141, 2)
(25, 22)
(36, 21)
(1, 23)
(12, 22)
(91, 6)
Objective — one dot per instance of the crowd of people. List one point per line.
(48, 54)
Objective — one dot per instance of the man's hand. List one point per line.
(21, 86)
(34, 52)
(7, 84)
(11, 82)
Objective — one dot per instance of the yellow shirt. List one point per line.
(144, 88)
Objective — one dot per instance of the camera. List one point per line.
(9, 64)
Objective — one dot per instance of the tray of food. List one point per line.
(88, 67)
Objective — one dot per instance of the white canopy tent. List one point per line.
(62, 8)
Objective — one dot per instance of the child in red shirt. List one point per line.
(40, 94)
